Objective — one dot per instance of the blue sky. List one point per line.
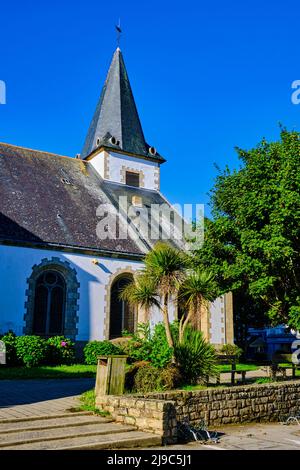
(207, 76)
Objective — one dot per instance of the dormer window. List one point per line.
(132, 179)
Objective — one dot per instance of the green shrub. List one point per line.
(147, 379)
(31, 350)
(195, 357)
(138, 346)
(99, 348)
(171, 377)
(143, 377)
(150, 346)
(60, 351)
(9, 339)
(231, 350)
(161, 353)
(131, 373)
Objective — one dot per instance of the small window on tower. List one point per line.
(132, 179)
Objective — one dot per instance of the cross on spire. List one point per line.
(119, 32)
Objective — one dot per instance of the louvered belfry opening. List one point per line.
(49, 304)
(132, 179)
(122, 315)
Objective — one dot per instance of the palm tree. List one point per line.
(164, 268)
(197, 289)
(140, 292)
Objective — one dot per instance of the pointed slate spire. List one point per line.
(116, 122)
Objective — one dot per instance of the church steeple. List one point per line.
(116, 124)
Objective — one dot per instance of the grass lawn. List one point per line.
(246, 367)
(75, 371)
(193, 387)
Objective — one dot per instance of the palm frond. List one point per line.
(165, 266)
(140, 292)
(198, 287)
(195, 356)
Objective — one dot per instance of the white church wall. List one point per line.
(98, 162)
(156, 314)
(116, 164)
(16, 267)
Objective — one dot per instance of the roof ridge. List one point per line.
(35, 150)
(135, 188)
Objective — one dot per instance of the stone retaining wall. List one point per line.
(147, 414)
(159, 412)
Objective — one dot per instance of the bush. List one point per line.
(171, 377)
(31, 350)
(149, 346)
(143, 377)
(195, 357)
(161, 353)
(60, 350)
(131, 373)
(147, 379)
(231, 350)
(9, 339)
(99, 348)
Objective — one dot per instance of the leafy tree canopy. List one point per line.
(253, 242)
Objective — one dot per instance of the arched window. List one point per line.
(49, 304)
(122, 315)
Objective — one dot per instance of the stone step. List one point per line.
(50, 423)
(26, 436)
(49, 416)
(120, 440)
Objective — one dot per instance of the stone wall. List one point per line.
(147, 414)
(159, 412)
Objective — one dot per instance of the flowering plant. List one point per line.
(61, 350)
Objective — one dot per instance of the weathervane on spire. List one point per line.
(119, 32)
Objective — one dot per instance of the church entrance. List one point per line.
(49, 304)
(122, 315)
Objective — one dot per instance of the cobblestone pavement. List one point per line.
(25, 398)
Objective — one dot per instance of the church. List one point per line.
(61, 266)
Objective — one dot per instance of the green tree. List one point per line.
(164, 269)
(197, 288)
(253, 242)
(167, 276)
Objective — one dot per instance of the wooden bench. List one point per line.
(230, 360)
(274, 369)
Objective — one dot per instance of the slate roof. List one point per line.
(148, 198)
(39, 207)
(116, 116)
(48, 200)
